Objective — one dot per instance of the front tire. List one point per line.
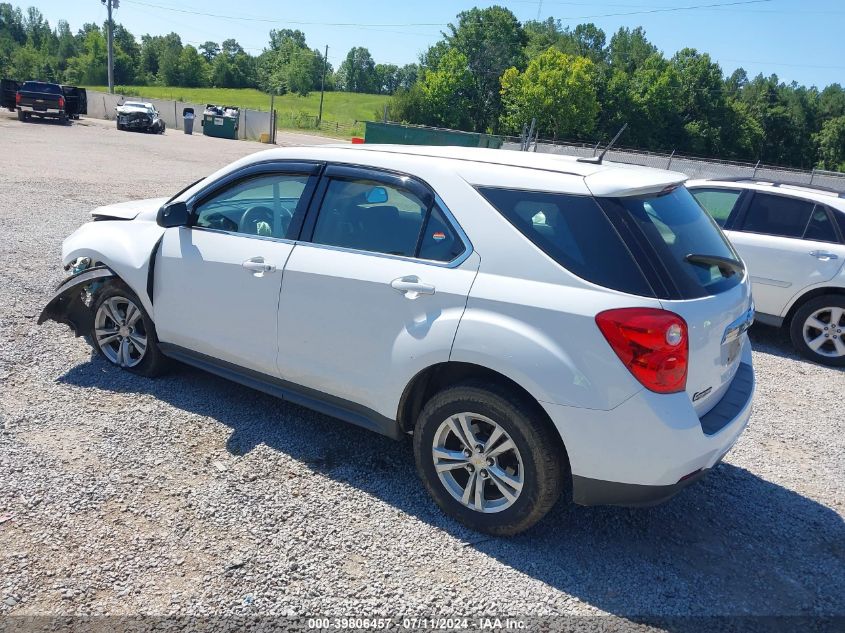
(124, 334)
(489, 460)
(817, 330)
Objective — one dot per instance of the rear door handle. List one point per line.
(411, 286)
(257, 266)
(824, 255)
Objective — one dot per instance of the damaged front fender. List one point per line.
(71, 304)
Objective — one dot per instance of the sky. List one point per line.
(798, 40)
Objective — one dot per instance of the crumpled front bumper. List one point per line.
(71, 302)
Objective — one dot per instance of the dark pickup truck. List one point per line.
(39, 98)
(76, 99)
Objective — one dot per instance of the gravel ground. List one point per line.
(190, 495)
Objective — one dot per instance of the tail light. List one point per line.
(61, 103)
(17, 98)
(653, 344)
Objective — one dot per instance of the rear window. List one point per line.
(575, 233)
(37, 86)
(668, 228)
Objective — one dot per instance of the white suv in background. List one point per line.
(539, 324)
(792, 237)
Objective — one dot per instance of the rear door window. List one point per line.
(575, 233)
(440, 242)
(719, 203)
(777, 215)
(368, 215)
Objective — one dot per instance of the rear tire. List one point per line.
(124, 334)
(817, 330)
(22, 116)
(518, 485)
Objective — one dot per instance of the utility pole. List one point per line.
(111, 4)
(323, 85)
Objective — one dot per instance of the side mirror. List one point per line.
(377, 195)
(173, 214)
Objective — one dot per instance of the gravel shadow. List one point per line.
(733, 544)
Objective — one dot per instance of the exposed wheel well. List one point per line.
(812, 294)
(437, 377)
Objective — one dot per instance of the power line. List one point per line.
(277, 20)
(667, 9)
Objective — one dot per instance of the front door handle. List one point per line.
(257, 266)
(411, 286)
(824, 255)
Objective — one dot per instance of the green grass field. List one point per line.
(341, 110)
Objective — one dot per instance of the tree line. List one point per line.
(488, 73)
(31, 48)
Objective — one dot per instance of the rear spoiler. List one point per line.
(623, 181)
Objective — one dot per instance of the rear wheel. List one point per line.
(23, 116)
(488, 460)
(123, 332)
(817, 330)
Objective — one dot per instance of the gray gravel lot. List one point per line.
(191, 495)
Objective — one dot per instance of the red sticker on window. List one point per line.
(439, 235)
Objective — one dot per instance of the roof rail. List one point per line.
(782, 183)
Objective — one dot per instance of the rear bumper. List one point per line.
(653, 445)
(595, 492)
(53, 112)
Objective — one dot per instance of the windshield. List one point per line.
(184, 189)
(683, 238)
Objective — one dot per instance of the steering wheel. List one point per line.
(252, 217)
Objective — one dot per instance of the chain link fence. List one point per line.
(692, 166)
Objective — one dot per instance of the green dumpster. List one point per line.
(221, 121)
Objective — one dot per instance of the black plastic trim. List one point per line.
(734, 401)
(67, 305)
(151, 269)
(768, 319)
(597, 492)
(304, 396)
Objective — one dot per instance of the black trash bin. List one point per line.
(188, 120)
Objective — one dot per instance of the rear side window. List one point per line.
(777, 215)
(717, 202)
(575, 233)
(669, 228)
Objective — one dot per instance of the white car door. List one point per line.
(217, 281)
(374, 291)
(788, 244)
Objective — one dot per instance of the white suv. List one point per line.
(539, 324)
(792, 237)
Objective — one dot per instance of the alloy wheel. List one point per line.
(119, 331)
(478, 462)
(824, 330)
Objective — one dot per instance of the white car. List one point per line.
(139, 115)
(792, 237)
(539, 324)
